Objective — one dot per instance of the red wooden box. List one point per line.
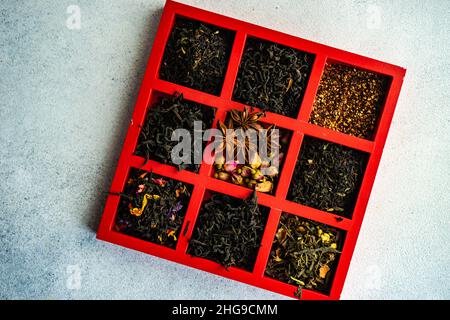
(203, 181)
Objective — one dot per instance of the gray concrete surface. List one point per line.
(67, 95)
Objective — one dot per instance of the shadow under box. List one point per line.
(165, 115)
(272, 77)
(197, 55)
(152, 207)
(305, 253)
(327, 176)
(350, 100)
(229, 230)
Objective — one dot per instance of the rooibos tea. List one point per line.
(229, 231)
(349, 100)
(272, 77)
(152, 207)
(327, 176)
(304, 253)
(163, 118)
(196, 55)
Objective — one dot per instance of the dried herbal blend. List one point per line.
(272, 77)
(229, 231)
(327, 176)
(304, 253)
(349, 100)
(163, 118)
(196, 55)
(250, 173)
(152, 208)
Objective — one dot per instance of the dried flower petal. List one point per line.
(223, 176)
(271, 171)
(265, 186)
(171, 233)
(323, 271)
(325, 237)
(230, 167)
(237, 179)
(160, 181)
(140, 188)
(138, 212)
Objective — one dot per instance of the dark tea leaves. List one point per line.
(349, 100)
(152, 208)
(229, 231)
(304, 253)
(163, 118)
(327, 176)
(196, 55)
(272, 77)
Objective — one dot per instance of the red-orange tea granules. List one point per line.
(349, 100)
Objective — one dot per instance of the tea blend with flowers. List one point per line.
(196, 55)
(272, 77)
(163, 118)
(229, 231)
(349, 100)
(304, 253)
(152, 208)
(250, 173)
(327, 176)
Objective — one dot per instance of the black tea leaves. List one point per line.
(229, 231)
(196, 55)
(327, 176)
(163, 118)
(272, 77)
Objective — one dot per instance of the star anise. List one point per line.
(246, 119)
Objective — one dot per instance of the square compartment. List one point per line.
(166, 114)
(327, 176)
(314, 246)
(152, 207)
(349, 100)
(260, 173)
(272, 77)
(227, 231)
(196, 55)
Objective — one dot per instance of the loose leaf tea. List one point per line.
(304, 253)
(327, 176)
(272, 77)
(229, 231)
(250, 173)
(196, 55)
(153, 207)
(163, 118)
(349, 100)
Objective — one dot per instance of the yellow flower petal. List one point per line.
(172, 234)
(277, 259)
(325, 237)
(136, 212)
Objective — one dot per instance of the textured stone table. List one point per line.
(67, 95)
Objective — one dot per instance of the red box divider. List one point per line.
(203, 180)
